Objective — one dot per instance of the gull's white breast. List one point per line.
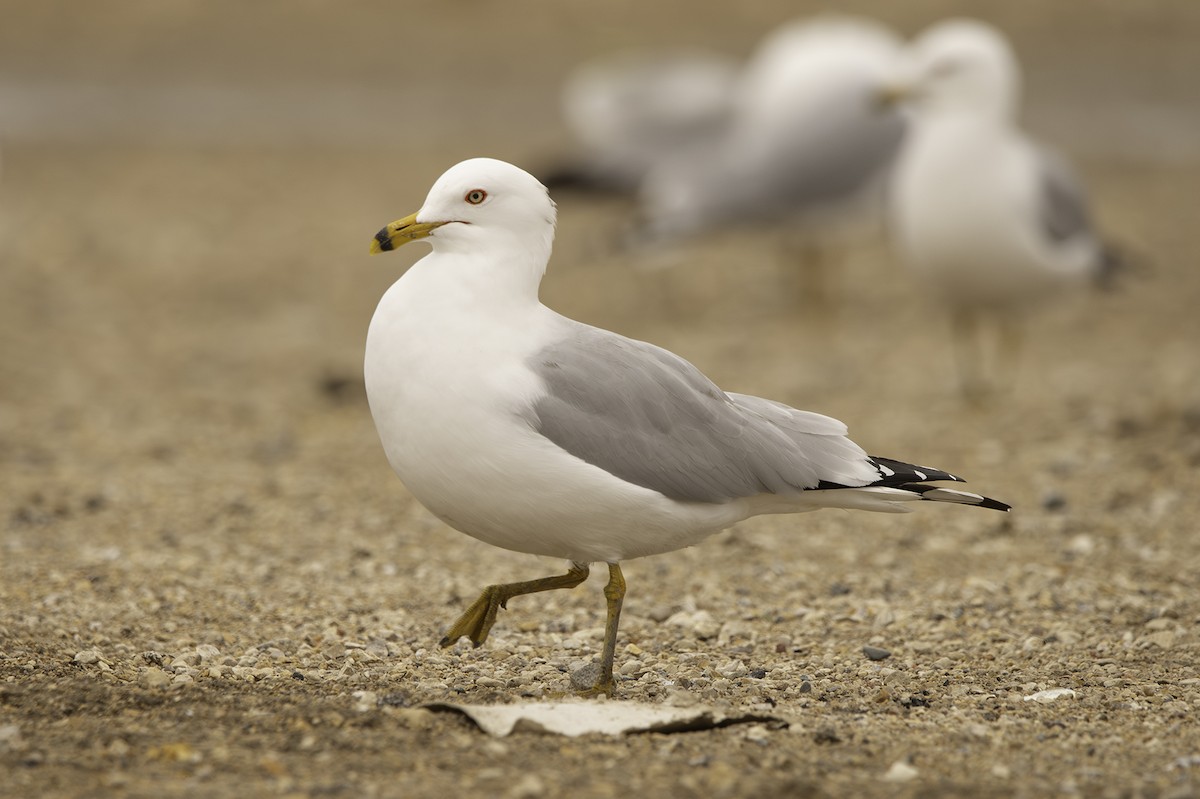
(450, 390)
(965, 210)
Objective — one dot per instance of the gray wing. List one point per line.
(810, 168)
(825, 170)
(651, 418)
(1062, 206)
(1064, 217)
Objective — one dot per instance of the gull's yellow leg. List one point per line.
(614, 592)
(1008, 360)
(813, 278)
(477, 620)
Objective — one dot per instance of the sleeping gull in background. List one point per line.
(997, 223)
(536, 433)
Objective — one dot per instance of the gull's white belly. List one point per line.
(965, 212)
(451, 407)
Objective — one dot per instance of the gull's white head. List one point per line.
(961, 66)
(479, 205)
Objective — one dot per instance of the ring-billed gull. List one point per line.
(997, 223)
(536, 433)
(805, 142)
(793, 139)
(806, 150)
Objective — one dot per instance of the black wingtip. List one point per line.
(995, 504)
(894, 472)
(910, 477)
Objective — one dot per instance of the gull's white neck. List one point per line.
(456, 283)
(499, 270)
(453, 315)
(447, 332)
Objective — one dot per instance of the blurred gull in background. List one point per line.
(795, 139)
(805, 139)
(631, 110)
(995, 222)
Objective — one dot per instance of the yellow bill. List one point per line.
(401, 232)
(893, 94)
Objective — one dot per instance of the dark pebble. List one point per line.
(1054, 501)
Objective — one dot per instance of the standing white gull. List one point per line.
(995, 222)
(536, 433)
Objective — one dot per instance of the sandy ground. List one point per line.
(212, 585)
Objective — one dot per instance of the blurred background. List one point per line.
(188, 191)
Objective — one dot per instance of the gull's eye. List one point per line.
(475, 196)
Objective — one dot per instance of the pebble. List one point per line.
(87, 657)
(207, 653)
(900, 771)
(630, 668)
(10, 737)
(1081, 545)
(1050, 695)
(365, 701)
(876, 653)
(1163, 639)
(413, 718)
(1054, 501)
(186, 659)
(154, 678)
(699, 623)
(757, 734)
(585, 676)
(732, 668)
(529, 786)
(732, 631)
